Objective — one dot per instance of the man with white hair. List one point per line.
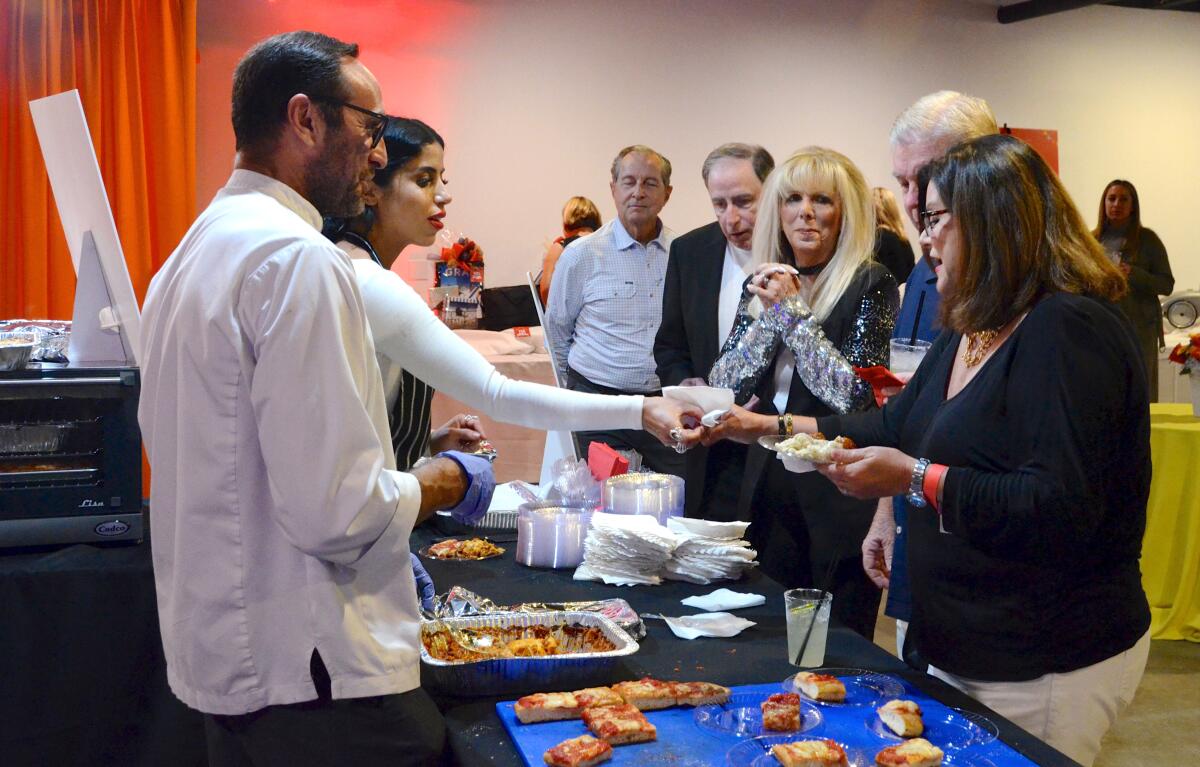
(921, 133)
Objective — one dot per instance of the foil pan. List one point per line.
(493, 520)
(499, 676)
(460, 602)
(50, 337)
(21, 438)
(15, 350)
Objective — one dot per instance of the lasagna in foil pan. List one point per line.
(586, 646)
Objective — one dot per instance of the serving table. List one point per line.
(755, 656)
(1171, 545)
(84, 680)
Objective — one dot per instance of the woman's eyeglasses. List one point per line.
(380, 120)
(930, 219)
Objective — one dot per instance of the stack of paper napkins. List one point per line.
(709, 551)
(626, 550)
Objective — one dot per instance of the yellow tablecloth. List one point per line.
(1171, 547)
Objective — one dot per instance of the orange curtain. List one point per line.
(134, 64)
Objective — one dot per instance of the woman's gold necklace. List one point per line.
(977, 346)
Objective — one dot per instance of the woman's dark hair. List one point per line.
(1022, 236)
(278, 68)
(405, 138)
(1133, 234)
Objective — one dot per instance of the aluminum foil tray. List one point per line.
(22, 438)
(493, 520)
(512, 675)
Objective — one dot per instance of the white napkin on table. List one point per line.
(708, 625)
(724, 599)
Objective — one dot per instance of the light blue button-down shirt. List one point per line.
(605, 307)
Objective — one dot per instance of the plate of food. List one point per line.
(790, 751)
(801, 453)
(462, 549)
(843, 686)
(751, 715)
(956, 729)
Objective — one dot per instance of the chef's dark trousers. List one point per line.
(391, 730)
(655, 455)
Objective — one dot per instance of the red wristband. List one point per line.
(933, 477)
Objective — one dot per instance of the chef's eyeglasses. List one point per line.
(381, 120)
(930, 219)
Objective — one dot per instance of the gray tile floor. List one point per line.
(1162, 725)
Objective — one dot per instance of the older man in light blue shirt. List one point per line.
(606, 300)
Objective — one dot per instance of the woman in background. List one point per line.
(1139, 253)
(580, 216)
(1022, 445)
(892, 248)
(829, 308)
(405, 205)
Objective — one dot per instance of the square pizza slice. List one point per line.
(781, 712)
(821, 686)
(619, 724)
(699, 693)
(593, 697)
(547, 707)
(647, 694)
(583, 751)
(810, 753)
(917, 752)
(902, 717)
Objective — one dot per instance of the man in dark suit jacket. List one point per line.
(705, 271)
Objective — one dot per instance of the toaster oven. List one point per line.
(70, 455)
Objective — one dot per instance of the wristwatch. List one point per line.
(916, 492)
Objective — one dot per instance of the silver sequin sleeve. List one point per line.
(746, 355)
(827, 371)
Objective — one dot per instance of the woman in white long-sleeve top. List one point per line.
(406, 202)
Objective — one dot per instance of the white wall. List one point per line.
(534, 98)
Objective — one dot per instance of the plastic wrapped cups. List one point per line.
(551, 534)
(659, 495)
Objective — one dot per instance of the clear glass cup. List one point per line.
(906, 357)
(803, 606)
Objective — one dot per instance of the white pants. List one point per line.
(1070, 711)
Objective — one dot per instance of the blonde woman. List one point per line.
(826, 307)
(892, 248)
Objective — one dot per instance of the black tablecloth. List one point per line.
(755, 656)
(82, 677)
(83, 682)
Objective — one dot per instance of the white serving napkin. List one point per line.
(708, 625)
(707, 528)
(707, 398)
(724, 599)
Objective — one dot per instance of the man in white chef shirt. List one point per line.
(280, 527)
(705, 272)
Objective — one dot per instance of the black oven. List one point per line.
(70, 455)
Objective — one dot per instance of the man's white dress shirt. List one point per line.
(278, 522)
(605, 307)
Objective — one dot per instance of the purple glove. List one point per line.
(425, 590)
(482, 481)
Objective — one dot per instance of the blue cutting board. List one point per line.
(683, 743)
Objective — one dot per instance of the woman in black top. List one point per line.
(830, 308)
(382, 238)
(1140, 254)
(1023, 445)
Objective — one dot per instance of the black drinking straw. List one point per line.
(824, 588)
(912, 340)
